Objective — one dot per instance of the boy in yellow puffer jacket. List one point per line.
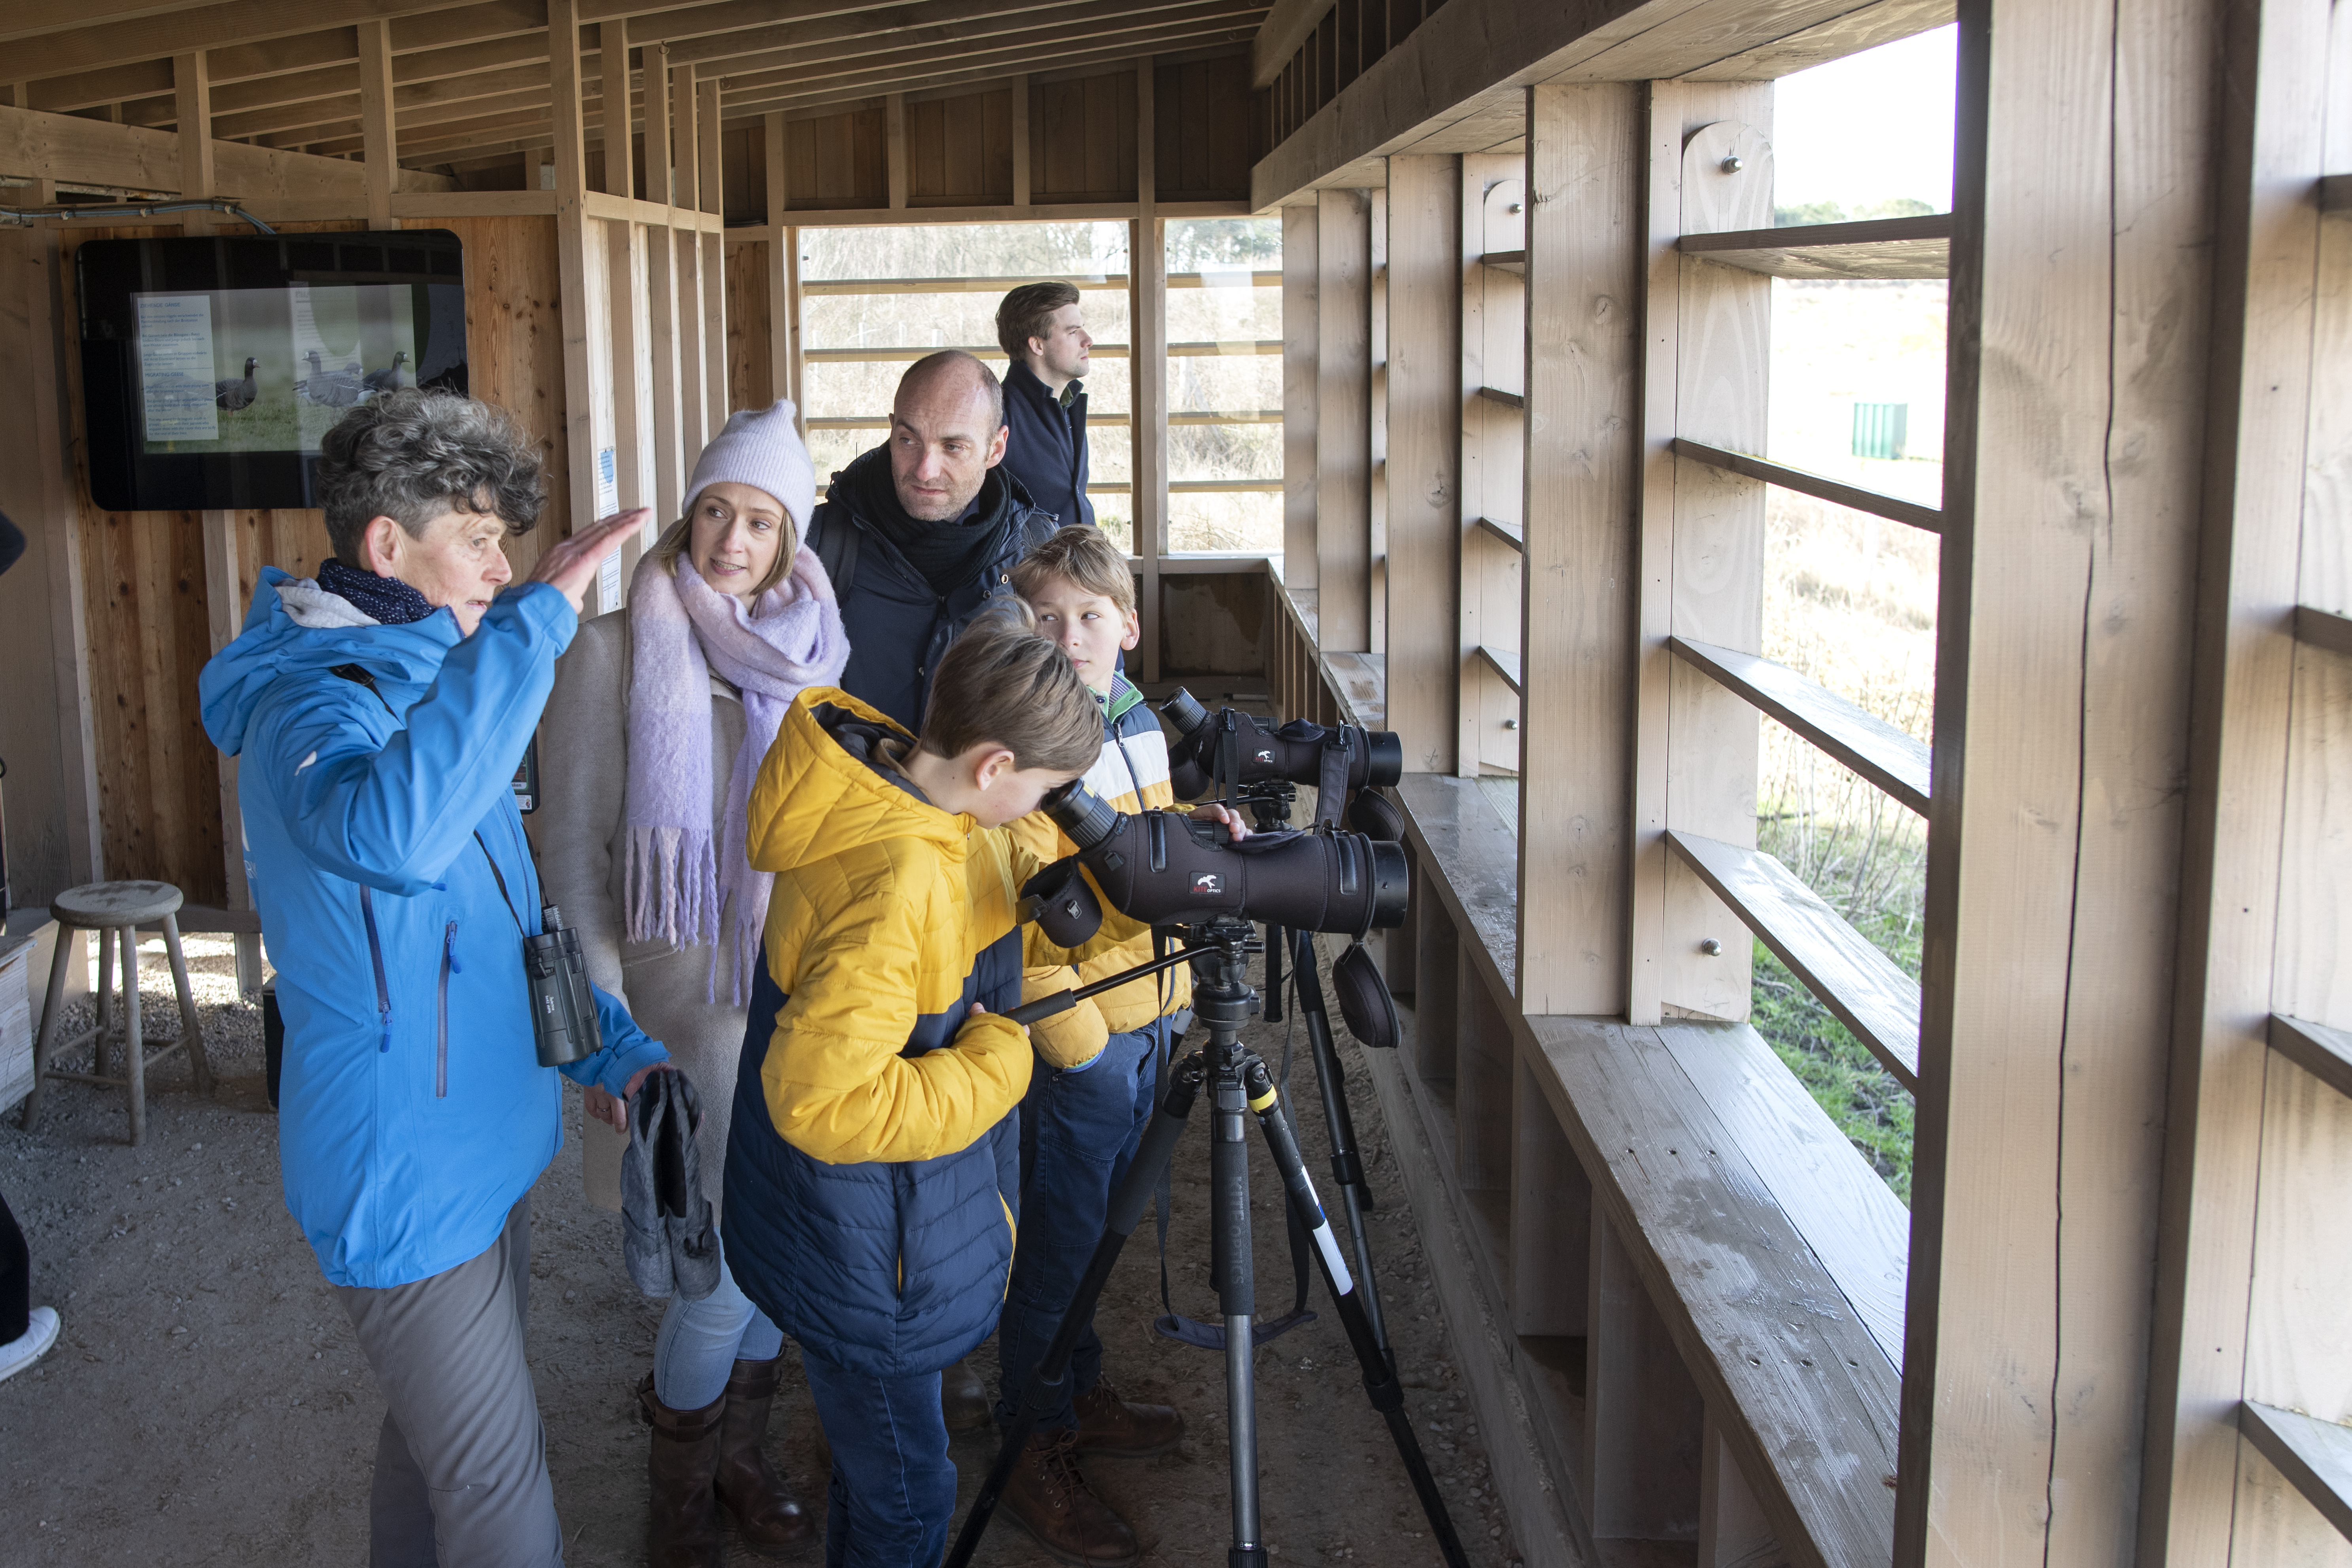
(872, 1162)
(1094, 1083)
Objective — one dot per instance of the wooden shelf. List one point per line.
(2325, 1053)
(1507, 399)
(1895, 761)
(1815, 485)
(1505, 262)
(1505, 663)
(2315, 1455)
(1882, 247)
(2317, 627)
(1508, 533)
(1855, 981)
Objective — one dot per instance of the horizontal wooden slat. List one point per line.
(2322, 628)
(1895, 761)
(1506, 664)
(1508, 533)
(1882, 247)
(1505, 262)
(2315, 1455)
(2323, 1052)
(1815, 485)
(1856, 982)
(1191, 416)
(1108, 280)
(909, 353)
(1853, 1220)
(1507, 399)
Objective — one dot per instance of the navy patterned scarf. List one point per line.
(386, 600)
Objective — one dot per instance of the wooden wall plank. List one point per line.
(378, 128)
(2083, 192)
(1551, 1216)
(1424, 443)
(1301, 319)
(750, 359)
(1584, 255)
(1644, 1418)
(1343, 419)
(581, 312)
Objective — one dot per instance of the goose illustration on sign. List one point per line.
(377, 381)
(235, 394)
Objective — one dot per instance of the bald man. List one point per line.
(919, 532)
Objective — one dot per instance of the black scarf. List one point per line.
(946, 554)
(386, 600)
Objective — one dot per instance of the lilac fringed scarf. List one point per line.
(677, 879)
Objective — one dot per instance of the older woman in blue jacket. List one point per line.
(379, 714)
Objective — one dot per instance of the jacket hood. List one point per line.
(296, 628)
(822, 791)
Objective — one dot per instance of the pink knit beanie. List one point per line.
(760, 447)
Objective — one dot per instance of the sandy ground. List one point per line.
(206, 1402)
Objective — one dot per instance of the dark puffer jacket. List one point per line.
(898, 626)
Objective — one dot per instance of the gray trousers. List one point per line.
(461, 1464)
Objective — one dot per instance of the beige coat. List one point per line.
(579, 830)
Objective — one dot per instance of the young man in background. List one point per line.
(1040, 329)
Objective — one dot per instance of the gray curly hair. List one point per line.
(411, 455)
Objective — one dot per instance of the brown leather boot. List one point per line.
(748, 1487)
(1115, 1429)
(1049, 1498)
(684, 1460)
(963, 1399)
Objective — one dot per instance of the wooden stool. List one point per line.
(108, 908)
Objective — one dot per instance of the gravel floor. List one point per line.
(206, 1402)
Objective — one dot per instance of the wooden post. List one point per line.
(580, 310)
(620, 149)
(791, 238)
(1147, 271)
(225, 613)
(660, 185)
(2263, 868)
(1343, 420)
(662, 293)
(192, 93)
(1701, 540)
(1021, 177)
(2081, 257)
(1376, 431)
(377, 127)
(784, 330)
(712, 270)
(1300, 316)
(693, 389)
(1424, 433)
(894, 115)
(1583, 279)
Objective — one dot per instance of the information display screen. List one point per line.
(214, 368)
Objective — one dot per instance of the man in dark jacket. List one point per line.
(1040, 330)
(922, 531)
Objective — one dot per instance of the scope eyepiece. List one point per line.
(1184, 710)
(1086, 817)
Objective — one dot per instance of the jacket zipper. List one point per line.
(375, 957)
(449, 965)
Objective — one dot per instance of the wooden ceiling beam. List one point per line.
(849, 90)
(929, 48)
(869, 21)
(227, 25)
(927, 21)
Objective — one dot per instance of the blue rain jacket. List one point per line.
(413, 1112)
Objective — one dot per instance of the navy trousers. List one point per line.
(893, 1490)
(1079, 1128)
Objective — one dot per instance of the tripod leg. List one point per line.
(1380, 1378)
(1230, 1231)
(1126, 1208)
(1347, 1168)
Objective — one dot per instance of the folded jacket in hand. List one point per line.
(666, 1232)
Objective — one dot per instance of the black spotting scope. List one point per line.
(1253, 751)
(1164, 868)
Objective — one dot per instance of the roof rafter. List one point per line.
(936, 24)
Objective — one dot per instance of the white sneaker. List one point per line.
(25, 1349)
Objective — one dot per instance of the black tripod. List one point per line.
(1238, 1082)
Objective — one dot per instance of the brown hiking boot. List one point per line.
(684, 1530)
(963, 1399)
(1112, 1427)
(746, 1485)
(1048, 1498)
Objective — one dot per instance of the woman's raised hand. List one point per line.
(571, 565)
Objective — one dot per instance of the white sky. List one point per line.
(1869, 127)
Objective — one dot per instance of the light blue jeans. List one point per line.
(700, 1341)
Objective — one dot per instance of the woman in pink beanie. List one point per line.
(659, 718)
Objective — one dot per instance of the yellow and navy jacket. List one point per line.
(1132, 775)
(872, 1164)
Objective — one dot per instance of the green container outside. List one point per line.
(1879, 429)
